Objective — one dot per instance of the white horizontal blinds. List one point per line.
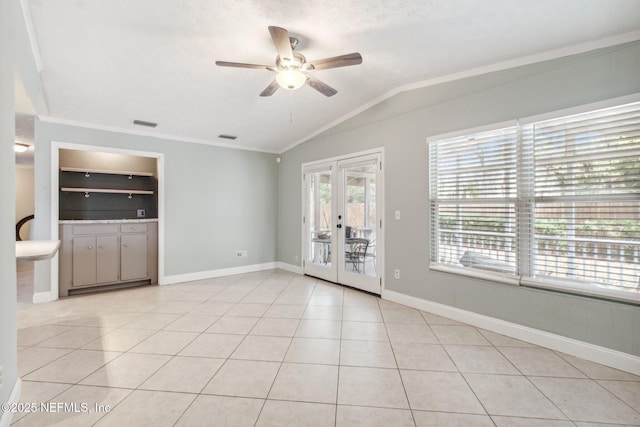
(587, 198)
(473, 200)
(525, 204)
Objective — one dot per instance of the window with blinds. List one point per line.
(553, 203)
(473, 201)
(587, 199)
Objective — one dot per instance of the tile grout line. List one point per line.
(335, 418)
(263, 288)
(444, 348)
(264, 403)
(157, 370)
(404, 388)
(526, 377)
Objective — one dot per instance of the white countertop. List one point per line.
(106, 221)
(36, 250)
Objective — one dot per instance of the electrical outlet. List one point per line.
(141, 213)
(241, 253)
(296, 258)
(238, 253)
(397, 214)
(396, 274)
(244, 253)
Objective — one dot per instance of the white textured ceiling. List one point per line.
(105, 63)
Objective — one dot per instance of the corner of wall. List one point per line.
(14, 398)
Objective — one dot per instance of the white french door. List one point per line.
(342, 221)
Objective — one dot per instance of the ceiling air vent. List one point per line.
(145, 123)
(223, 136)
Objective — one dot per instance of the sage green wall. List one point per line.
(217, 200)
(401, 125)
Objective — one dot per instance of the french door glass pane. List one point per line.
(360, 219)
(319, 215)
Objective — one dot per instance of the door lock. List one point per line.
(339, 225)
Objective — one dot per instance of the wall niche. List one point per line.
(107, 186)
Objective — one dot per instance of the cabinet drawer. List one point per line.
(133, 228)
(95, 229)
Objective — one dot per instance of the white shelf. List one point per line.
(112, 172)
(36, 250)
(104, 190)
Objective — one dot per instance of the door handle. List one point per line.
(339, 225)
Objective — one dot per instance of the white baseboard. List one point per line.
(290, 267)
(40, 297)
(605, 356)
(202, 275)
(14, 398)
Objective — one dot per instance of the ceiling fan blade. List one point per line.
(242, 65)
(337, 61)
(321, 87)
(280, 38)
(271, 89)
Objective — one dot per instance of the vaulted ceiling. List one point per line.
(106, 63)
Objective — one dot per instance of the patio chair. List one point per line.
(357, 254)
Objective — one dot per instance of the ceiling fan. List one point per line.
(292, 68)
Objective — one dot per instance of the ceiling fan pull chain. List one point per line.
(291, 108)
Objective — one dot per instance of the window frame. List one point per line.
(525, 203)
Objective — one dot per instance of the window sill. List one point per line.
(591, 290)
(476, 273)
(562, 286)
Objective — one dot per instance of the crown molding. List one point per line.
(28, 23)
(160, 135)
(500, 66)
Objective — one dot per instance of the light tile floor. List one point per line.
(24, 276)
(279, 349)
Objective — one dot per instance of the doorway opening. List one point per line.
(342, 220)
(25, 200)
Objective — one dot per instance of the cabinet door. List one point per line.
(84, 261)
(108, 259)
(133, 256)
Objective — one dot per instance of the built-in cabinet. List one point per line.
(107, 255)
(95, 260)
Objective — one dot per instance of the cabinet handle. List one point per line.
(126, 245)
(89, 247)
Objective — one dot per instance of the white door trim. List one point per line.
(318, 164)
(56, 146)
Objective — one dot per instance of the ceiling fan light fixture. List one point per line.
(291, 79)
(291, 67)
